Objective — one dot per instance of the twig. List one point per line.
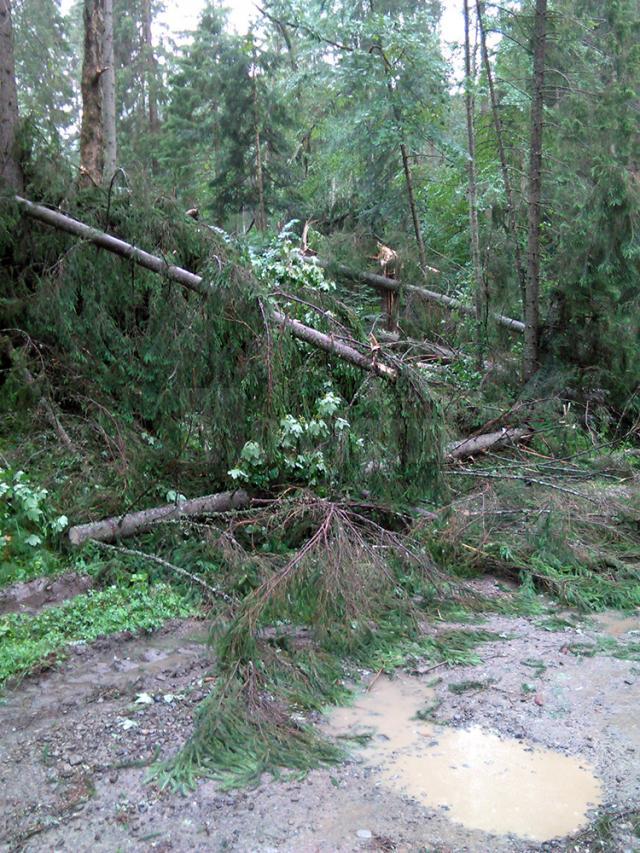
(131, 552)
(491, 476)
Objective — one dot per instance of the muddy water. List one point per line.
(482, 781)
(612, 622)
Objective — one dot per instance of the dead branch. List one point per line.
(132, 552)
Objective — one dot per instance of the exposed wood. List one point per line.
(195, 282)
(108, 81)
(92, 127)
(10, 171)
(119, 527)
(532, 301)
(381, 282)
(489, 441)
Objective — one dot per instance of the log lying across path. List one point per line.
(477, 444)
(195, 282)
(119, 527)
(381, 282)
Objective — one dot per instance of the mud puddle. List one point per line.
(32, 596)
(497, 785)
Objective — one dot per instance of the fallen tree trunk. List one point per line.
(488, 441)
(195, 282)
(381, 282)
(118, 527)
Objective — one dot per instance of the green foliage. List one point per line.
(31, 642)
(27, 523)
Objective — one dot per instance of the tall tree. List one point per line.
(92, 128)
(480, 296)
(10, 171)
(532, 301)
(504, 167)
(108, 80)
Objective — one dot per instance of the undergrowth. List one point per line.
(29, 643)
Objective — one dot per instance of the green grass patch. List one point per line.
(29, 642)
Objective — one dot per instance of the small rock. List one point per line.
(364, 834)
(75, 759)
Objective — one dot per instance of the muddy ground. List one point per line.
(73, 740)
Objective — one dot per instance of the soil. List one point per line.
(74, 740)
(32, 596)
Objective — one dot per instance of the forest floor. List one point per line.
(554, 699)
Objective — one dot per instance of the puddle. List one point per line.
(484, 782)
(615, 624)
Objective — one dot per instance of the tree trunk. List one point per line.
(152, 78)
(92, 128)
(532, 301)
(408, 177)
(497, 123)
(327, 343)
(260, 215)
(108, 80)
(381, 282)
(10, 171)
(506, 437)
(481, 308)
(137, 522)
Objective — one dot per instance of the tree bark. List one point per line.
(381, 282)
(480, 307)
(408, 177)
(118, 527)
(497, 123)
(532, 301)
(195, 282)
(92, 127)
(260, 215)
(10, 171)
(108, 81)
(489, 441)
(151, 77)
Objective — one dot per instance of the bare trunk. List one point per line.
(406, 165)
(10, 171)
(136, 522)
(327, 343)
(260, 216)
(92, 128)
(108, 80)
(532, 301)
(381, 282)
(497, 123)
(151, 78)
(480, 306)
(506, 437)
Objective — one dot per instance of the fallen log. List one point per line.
(381, 282)
(195, 282)
(475, 445)
(118, 527)
(131, 523)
